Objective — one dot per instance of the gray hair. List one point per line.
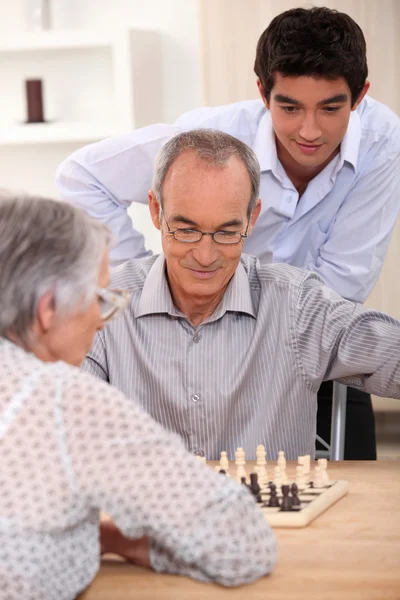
(214, 148)
(45, 245)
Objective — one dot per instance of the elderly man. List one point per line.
(218, 348)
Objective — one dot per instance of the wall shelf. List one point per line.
(92, 83)
(55, 133)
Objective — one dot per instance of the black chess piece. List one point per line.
(286, 504)
(243, 481)
(273, 500)
(222, 471)
(254, 487)
(295, 498)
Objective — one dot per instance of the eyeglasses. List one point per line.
(191, 236)
(112, 302)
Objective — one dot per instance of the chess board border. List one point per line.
(316, 507)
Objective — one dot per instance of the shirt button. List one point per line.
(198, 452)
(196, 397)
(196, 338)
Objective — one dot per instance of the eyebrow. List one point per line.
(182, 219)
(333, 99)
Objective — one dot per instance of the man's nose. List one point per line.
(310, 129)
(206, 251)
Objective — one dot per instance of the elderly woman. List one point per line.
(71, 445)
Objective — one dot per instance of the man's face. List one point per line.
(310, 117)
(199, 196)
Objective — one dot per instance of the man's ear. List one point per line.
(254, 215)
(361, 95)
(45, 312)
(261, 91)
(154, 209)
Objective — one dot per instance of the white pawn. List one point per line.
(224, 462)
(240, 463)
(323, 463)
(318, 480)
(304, 461)
(300, 479)
(261, 463)
(278, 481)
(281, 462)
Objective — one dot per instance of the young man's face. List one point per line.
(310, 117)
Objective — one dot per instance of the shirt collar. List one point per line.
(350, 145)
(156, 296)
(264, 144)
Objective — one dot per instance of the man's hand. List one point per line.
(135, 551)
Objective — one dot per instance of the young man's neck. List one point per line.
(298, 174)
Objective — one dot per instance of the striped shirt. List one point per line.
(249, 374)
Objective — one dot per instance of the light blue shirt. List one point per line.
(340, 228)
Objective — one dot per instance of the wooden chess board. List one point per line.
(313, 503)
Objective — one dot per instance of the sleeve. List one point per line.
(95, 362)
(105, 178)
(201, 523)
(351, 259)
(340, 340)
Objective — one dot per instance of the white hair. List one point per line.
(213, 147)
(45, 246)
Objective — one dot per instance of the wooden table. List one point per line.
(351, 552)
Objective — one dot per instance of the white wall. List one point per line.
(32, 167)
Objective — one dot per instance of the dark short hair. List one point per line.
(317, 42)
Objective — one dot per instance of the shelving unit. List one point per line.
(92, 84)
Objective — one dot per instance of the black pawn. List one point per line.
(222, 471)
(295, 498)
(243, 480)
(273, 500)
(286, 503)
(255, 487)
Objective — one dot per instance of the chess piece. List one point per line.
(304, 461)
(273, 499)
(286, 503)
(300, 479)
(254, 487)
(224, 462)
(240, 463)
(318, 481)
(261, 465)
(295, 498)
(281, 462)
(278, 477)
(323, 463)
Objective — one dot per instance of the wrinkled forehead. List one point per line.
(198, 189)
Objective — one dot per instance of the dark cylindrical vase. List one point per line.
(34, 99)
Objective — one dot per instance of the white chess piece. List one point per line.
(323, 463)
(304, 461)
(281, 462)
(261, 465)
(278, 481)
(240, 463)
(300, 479)
(318, 480)
(224, 462)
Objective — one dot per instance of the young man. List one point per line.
(329, 158)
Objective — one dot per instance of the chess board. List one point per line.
(313, 503)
